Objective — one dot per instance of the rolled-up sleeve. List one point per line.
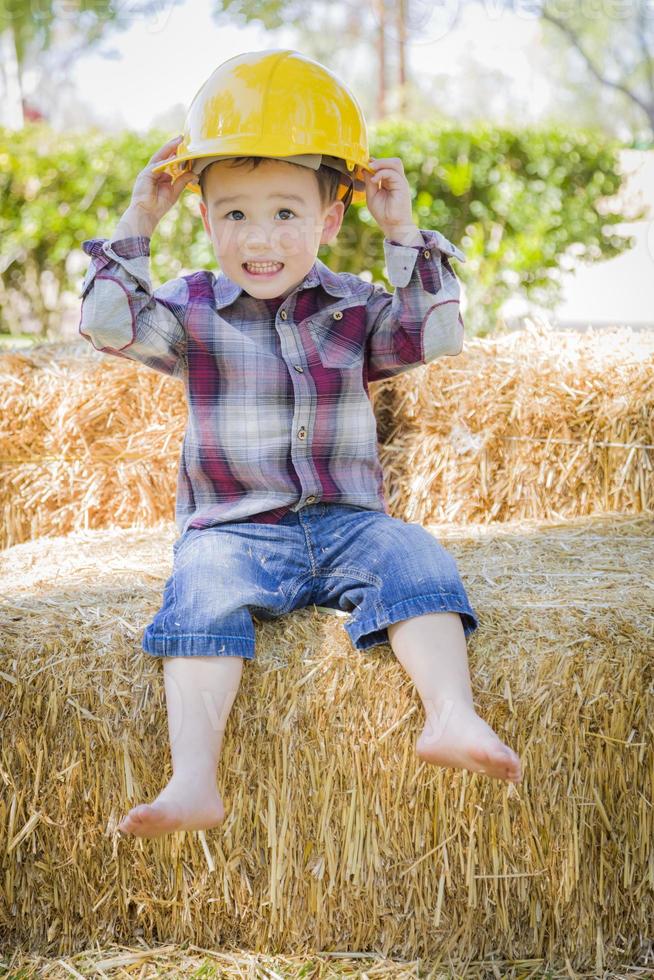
(122, 315)
(421, 319)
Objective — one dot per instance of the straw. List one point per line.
(336, 836)
(536, 423)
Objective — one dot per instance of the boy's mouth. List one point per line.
(263, 270)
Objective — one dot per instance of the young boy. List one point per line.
(280, 501)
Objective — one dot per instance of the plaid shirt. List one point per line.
(279, 413)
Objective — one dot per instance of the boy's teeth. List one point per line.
(263, 266)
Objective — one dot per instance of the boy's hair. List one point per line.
(329, 180)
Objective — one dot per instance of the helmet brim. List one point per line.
(182, 164)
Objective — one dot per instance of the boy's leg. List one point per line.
(432, 650)
(200, 692)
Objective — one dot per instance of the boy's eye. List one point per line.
(237, 211)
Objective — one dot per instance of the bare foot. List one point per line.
(454, 735)
(181, 805)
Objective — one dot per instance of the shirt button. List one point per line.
(283, 314)
(338, 315)
(302, 434)
(299, 368)
(310, 500)
(426, 254)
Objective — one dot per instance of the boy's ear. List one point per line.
(332, 222)
(204, 212)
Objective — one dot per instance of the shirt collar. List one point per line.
(226, 291)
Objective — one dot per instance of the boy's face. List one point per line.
(275, 215)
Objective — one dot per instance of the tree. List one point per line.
(328, 31)
(45, 36)
(613, 44)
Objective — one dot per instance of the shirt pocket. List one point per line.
(340, 337)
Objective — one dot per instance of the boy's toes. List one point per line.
(126, 824)
(499, 760)
(512, 765)
(139, 819)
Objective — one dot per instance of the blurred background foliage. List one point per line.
(516, 202)
(524, 203)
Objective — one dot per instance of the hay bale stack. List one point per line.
(533, 424)
(336, 836)
(86, 441)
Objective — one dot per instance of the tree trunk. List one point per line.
(401, 54)
(11, 97)
(380, 6)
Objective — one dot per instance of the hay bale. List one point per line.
(188, 960)
(533, 424)
(336, 836)
(85, 441)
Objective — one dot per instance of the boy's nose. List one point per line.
(257, 245)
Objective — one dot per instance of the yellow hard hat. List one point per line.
(280, 104)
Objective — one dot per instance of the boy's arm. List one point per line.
(123, 315)
(421, 319)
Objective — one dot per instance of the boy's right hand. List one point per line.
(154, 195)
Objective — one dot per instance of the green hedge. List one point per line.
(513, 201)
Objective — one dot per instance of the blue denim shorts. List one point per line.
(379, 568)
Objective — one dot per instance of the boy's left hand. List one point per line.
(390, 206)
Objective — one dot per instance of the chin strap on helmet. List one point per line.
(347, 197)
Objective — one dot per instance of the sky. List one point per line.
(159, 63)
